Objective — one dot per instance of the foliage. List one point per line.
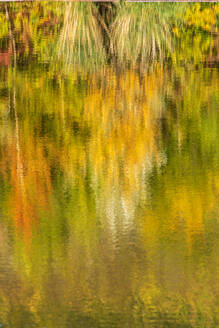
(81, 38)
(202, 16)
(142, 32)
(87, 34)
(109, 180)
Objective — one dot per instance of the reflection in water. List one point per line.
(109, 197)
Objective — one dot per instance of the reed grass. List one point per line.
(142, 32)
(81, 39)
(135, 33)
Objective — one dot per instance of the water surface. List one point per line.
(109, 212)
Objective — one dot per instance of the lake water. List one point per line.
(109, 190)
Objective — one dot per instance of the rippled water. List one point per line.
(109, 211)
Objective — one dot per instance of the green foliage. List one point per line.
(81, 39)
(89, 34)
(142, 32)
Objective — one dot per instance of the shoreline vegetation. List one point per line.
(95, 34)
